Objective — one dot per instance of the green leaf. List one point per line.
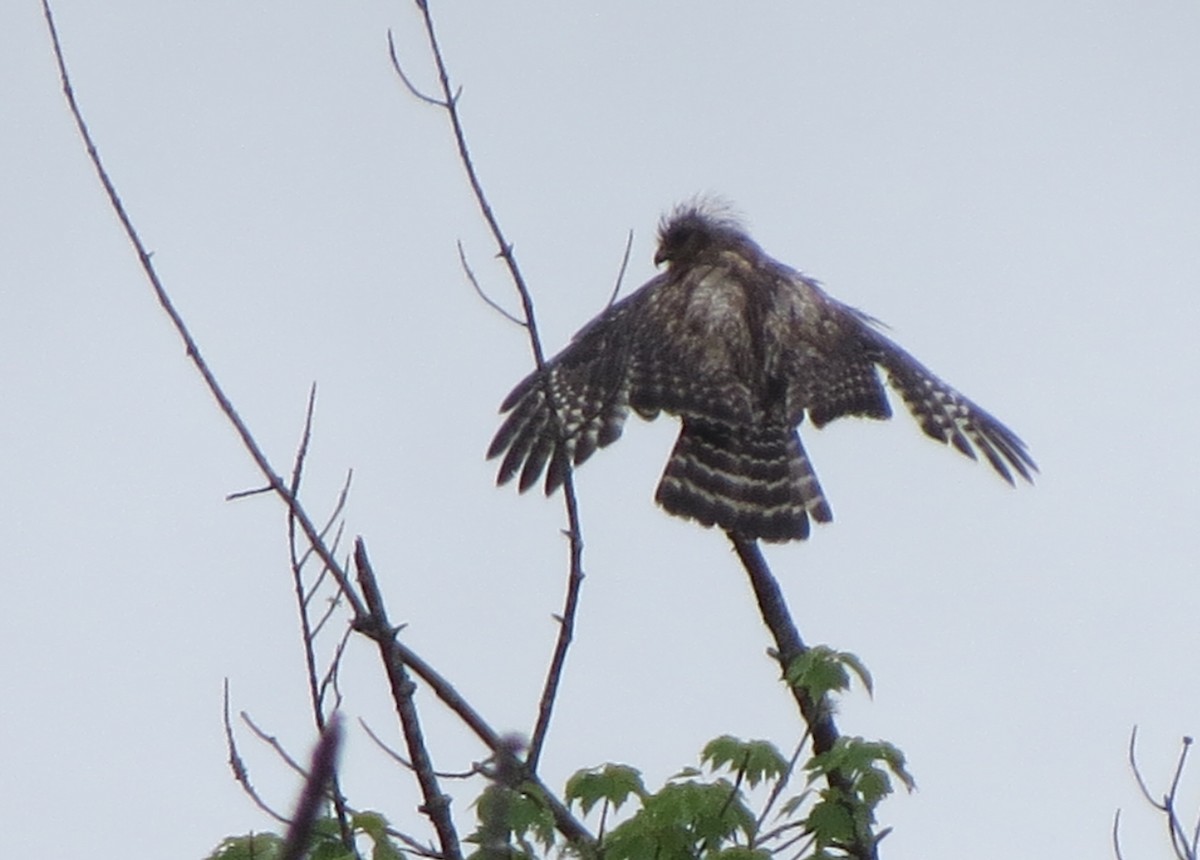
(613, 783)
(818, 672)
(755, 760)
(831, 822)
(821, 670)
(722, 751)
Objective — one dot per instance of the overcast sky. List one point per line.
(1013, 188)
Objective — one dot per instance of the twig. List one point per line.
(449, 103)
(240, 773)
(403, 77)
(817, 715)
(781, 783)
(330, 680)
(621, 271)
(1138, 774)
(274, 743)
(193, 351)
(1116, 836)
(488, 300)
(324, 766)
(475, 770)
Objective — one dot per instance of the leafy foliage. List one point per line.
(681, 821)
(701, 813)
(845, 813)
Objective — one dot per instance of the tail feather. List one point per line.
(756, 481)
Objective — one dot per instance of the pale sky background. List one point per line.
(1013, 187)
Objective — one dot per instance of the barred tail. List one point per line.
(756, 481)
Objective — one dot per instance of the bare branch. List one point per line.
(449, 103)
(193, 351)
(566, 823)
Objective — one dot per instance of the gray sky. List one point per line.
(1013, 188)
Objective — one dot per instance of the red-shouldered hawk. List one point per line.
(740, 347)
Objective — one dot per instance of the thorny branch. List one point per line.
(449, 103)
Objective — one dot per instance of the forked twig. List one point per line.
(1184, 845)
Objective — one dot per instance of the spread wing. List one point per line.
(948, 416)
(576, 404)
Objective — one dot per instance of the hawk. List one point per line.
(740, 347)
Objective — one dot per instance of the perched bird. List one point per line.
(740, 347)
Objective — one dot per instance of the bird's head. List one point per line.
(695, 231)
